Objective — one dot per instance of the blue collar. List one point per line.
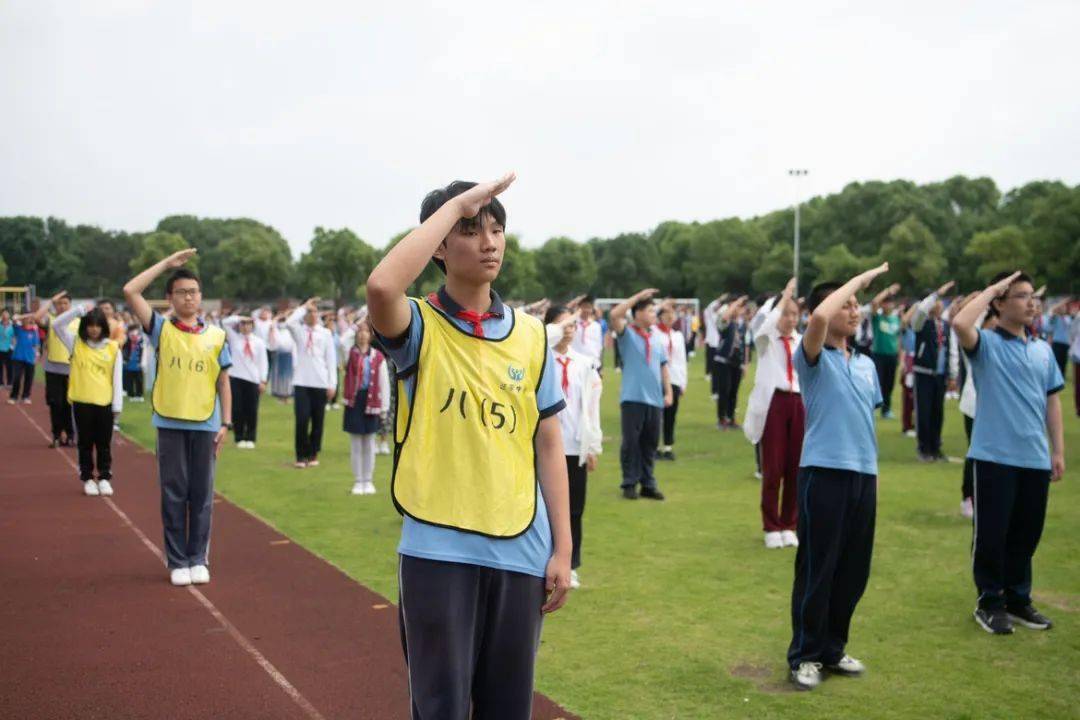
(452, 308)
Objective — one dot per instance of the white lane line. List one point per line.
(236, 635)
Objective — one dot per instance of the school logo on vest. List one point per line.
(516, 374)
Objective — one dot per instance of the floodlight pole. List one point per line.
(797, 173)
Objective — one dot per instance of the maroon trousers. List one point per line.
(1076, 386)
(781, 448)
(909, 407)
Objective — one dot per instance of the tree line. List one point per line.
(964, 229)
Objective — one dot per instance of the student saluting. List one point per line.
(479, 470)
(837, 483)
(1016, 404)
(192, 405)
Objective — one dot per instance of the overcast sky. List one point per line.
(615, 115)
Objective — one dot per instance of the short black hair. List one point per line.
(640, 305)
(106, 300)
(437, 198)
(94, 317)
(589, 299)
(181, 274)
(820, 292)
(554, 312)
(992, 311)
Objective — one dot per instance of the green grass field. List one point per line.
(684, 614)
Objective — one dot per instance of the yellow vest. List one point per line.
(91, 379)
(187, 371)
(55, 350)
(465, 456)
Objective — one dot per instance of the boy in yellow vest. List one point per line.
(57, 368)
(479, 471)
(95, 390)
(192, 412)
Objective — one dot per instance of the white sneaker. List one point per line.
(575, 583)
(773, 540)
(848, 666)
(384, 448)
(911, 434)
(90, 488)
(369, 488)
(790, 538)
(250, 444)
(104, 487)
(758, 475)
(967, 508)
(200, 575)
(180, 577)
(358, 488)
(807, 676)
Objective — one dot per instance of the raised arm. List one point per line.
(391, 278)
(818, 328)
(617, 317)
(881, 297)
(732, 308)
(922, 309)
(64, 319)
(43, 309)
(965, 321)
(136, 286)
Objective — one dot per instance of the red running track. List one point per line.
(91, 628)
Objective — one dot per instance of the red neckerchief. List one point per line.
(939, 328)
(247, 347)
(667, 331)
(470, 316)
(564, 362)
(193, 329)
(310, 344)
(644, 336)
(790, 367)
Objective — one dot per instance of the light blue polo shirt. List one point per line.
(840, 395)
(224, 360)
(641, 381)
(528, 553)
(1013, 377)
(1059, 329)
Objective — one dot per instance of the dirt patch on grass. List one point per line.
(765, 678)
(1059, 601)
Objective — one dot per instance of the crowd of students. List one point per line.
(496, 416)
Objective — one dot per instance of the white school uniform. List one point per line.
(580, 420)
(254, 368)
(675, 345)
(588, 339)
(771, 373)
(315, 355)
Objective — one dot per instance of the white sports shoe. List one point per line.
(790, 538)
(200, 575)
(910, 434)
(90, 488)
(180, 577)
(758, 475)
(967, 508)
(358, 488)
(807, 676)
(773, 540)
(369, 488)
(104, 487)
(575, 583)
(848, 666)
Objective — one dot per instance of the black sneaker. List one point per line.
(665, 455)
(1029, 617)
(652, 494)
(995, 622)
(630, 493)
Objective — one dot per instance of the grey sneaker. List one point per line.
(807, 676)
(1029, 617)
(995, 622)
(847, 665)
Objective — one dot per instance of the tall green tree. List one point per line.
(155, 247)
(564, 268)
(518, 278)
(337, 263)
(775, 269)
(724, 255)
(837, 264)
(3, 270)
(625, 264)
(1054, 237)
(916, 260)
(251, 264)
(1005, 248)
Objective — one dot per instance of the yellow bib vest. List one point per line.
(187, 371)
(464, 457)
(55, 350)
(92, 373)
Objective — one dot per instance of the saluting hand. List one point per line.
(476, 197)
(868, 277)
(180, 257)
